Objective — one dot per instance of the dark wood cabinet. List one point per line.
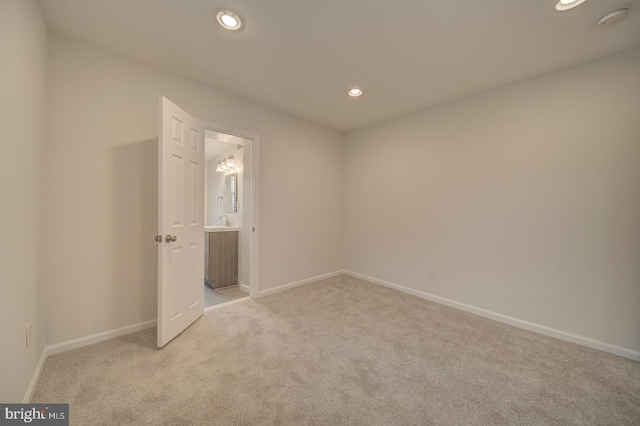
(221, 259)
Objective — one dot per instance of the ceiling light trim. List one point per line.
(229, 20)
(563, 5)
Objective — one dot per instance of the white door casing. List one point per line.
(181, 221)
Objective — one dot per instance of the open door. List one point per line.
(181, 221)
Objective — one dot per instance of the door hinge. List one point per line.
(158, 238)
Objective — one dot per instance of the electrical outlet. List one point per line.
(432, 271)
(312, 257)
(28, 335)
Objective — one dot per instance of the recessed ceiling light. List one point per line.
(229, 20)
(355, 92)
(568, 4)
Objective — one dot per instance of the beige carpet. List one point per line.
(343, 352)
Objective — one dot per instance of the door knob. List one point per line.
(171, 238)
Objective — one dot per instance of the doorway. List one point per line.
(231, 183)
(181, 222)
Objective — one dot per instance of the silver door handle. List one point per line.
(171, 238)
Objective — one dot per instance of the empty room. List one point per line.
(320, 212)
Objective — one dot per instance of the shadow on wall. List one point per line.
(133, 266)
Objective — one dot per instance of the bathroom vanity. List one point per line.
(221, 256)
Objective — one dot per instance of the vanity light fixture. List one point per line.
(563, 5)
(355, 92)
(229, 20)
(226, 164)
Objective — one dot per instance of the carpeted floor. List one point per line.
(343, 352)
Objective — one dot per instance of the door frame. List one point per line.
(254, 186)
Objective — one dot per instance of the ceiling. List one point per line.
(301, 56)
(215, 142)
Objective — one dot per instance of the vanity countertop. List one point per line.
(220, 228)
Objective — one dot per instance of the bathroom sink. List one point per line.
(220, 228)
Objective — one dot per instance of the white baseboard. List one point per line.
(78, 343)
(33, 384)
(245, 288)
(569, 337)
(99, 337)
(536, 328)
(298, 283)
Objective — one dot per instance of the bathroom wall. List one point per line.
(525, 198)
(215, 188)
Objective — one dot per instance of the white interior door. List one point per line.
(181, 221)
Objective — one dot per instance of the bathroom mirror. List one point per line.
(230, 193)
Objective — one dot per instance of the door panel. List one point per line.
(181, 219)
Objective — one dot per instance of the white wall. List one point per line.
(525, 198)
(101, 201)
(23, 49)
